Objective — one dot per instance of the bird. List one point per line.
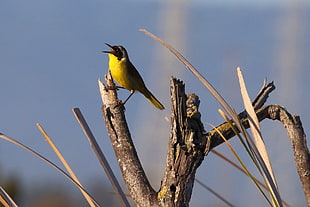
(127, 76)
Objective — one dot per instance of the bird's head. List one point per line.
(118, 51)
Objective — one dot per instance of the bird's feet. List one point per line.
(114, 87)
(120, 104)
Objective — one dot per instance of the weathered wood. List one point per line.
(137, 183)
(295, 132)
(186, 150)
(188, 144)
(225, 128)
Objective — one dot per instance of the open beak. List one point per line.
(110, 46)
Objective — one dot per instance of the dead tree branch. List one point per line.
(295, 132)
(188, 144)
(187, 148)
(137, 183)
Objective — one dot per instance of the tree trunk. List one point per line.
(188, 144)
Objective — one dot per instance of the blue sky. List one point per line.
(50, 60)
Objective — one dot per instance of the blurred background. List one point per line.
(50, 60)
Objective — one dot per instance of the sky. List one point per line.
(50, 61)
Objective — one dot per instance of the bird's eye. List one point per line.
(118, 53)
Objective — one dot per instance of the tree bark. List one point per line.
(186, 150)
(188, 144)
(295, 132)
(136, 181)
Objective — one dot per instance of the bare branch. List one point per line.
(295, 132)
(225, 129)
(188, 144)
(128, 161)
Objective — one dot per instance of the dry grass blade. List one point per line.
(13, 141)
(239, 159)
(189, 66)
(260, 160)
(237, 167)
(242, 170)
(254, 123)
(64, 162)
(233, 115)
(5, 199)
(255, 129)
(103, 161)
(213, 192)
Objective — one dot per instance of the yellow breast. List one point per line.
(119, 71)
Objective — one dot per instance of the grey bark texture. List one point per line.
(188, 144)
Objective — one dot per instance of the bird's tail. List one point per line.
(151, 98)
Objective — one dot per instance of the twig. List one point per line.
(225, 128)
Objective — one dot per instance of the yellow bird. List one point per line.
(126, 75)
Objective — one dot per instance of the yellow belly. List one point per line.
(130, 78)
(120, 73)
